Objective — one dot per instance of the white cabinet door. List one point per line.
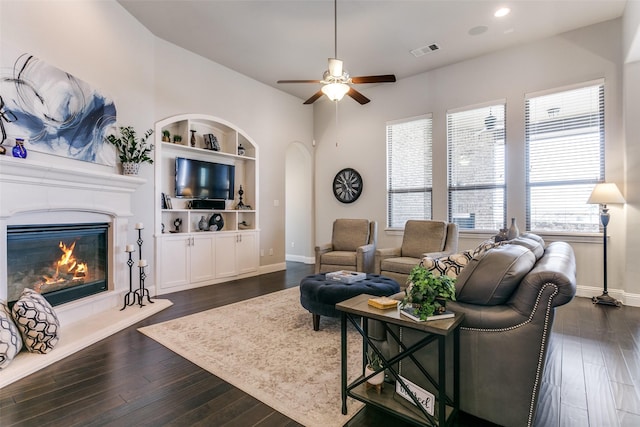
(202, 258)
(226, 255)
(174, 261)
(247, 252)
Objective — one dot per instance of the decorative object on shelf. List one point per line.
(513, 230)
(240, 204)
(347, 185)
(374, 364)
(166, 136)
(427, 292)
(216, 222)
(241, 150)
(162, 228)
(193, 138)
(605, 194)
(167, 202)
(203, 224)
(19, 150)
(243, 225)
(177, 223)
(501, 236)
(177, 139)
(211, 142)
(132, 150)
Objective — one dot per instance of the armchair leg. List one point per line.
(316, 321)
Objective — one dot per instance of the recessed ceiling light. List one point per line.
(503, 11)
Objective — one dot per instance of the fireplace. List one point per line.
(63, 262)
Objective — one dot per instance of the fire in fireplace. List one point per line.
(62, 262)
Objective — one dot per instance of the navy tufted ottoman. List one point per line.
(320, 296)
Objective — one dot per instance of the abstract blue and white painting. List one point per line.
(53, 111)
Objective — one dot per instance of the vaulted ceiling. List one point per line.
(272, 40)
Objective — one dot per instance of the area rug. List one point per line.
(266, 346)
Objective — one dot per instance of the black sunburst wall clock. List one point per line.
(347, 185)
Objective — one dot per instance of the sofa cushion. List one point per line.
(36, 321)
(486, 245)
(491, 278)
(349, 234)
(532, 242)
(10, 339)
(339, 258)
(421, 237)
(450, 265)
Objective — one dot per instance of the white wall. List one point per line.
(149, 79)
(582, 55)
(299, 204)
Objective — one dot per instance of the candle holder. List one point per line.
(141, 292)
(130, 297)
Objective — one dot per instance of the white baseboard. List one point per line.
(272, 268)
(300, 258)
(632, 300)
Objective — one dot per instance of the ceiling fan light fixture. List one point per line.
(335, 91)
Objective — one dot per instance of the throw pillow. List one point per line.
(492, 278)
(486, 245)
(450, 265)
(36, 321)
(10, 340)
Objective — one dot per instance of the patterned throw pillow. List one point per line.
(450, 265)
(10, 340)
(486, 245)
(37, 322)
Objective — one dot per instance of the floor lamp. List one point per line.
(604, 194)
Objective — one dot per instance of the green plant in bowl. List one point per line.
(428, 293)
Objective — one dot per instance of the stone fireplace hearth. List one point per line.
(34, 193)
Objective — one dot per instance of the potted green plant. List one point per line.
(373, 364)
(131, 150)
(166, 136)
(428, 293)
(177, 139)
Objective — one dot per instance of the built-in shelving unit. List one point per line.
(186, 255)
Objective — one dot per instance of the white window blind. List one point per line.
(476, 167)
(409, 166)
(565, 158)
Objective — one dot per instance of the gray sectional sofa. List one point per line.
(508, 294)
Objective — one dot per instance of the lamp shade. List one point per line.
(605, 193)
(335, 91)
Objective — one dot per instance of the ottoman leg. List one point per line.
(316, 321)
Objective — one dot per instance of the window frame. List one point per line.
(600, 83)
(428, 167)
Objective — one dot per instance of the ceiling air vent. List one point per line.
(424, 50)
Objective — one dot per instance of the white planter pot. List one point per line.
(376, 379)
(130, 168)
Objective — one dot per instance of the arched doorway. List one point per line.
(299, 204)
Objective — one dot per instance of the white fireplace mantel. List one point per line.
(33, 191)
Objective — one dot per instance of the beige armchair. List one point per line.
(352, 247)
(421, 238)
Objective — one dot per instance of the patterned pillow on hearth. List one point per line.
(10, 339)
(36, 321)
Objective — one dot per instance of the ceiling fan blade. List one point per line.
(313, 98)
(387, 78)
(299, 81)
(358, 96)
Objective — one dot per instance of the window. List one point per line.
(409, 178)
(565, 158)
(476, 168)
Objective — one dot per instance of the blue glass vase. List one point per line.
(19, 150)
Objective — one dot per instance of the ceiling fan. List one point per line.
(336, 80)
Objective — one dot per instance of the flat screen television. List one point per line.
(197, 179)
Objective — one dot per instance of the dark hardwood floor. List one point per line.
(592, 376)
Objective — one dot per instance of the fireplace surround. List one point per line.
(35, 193)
